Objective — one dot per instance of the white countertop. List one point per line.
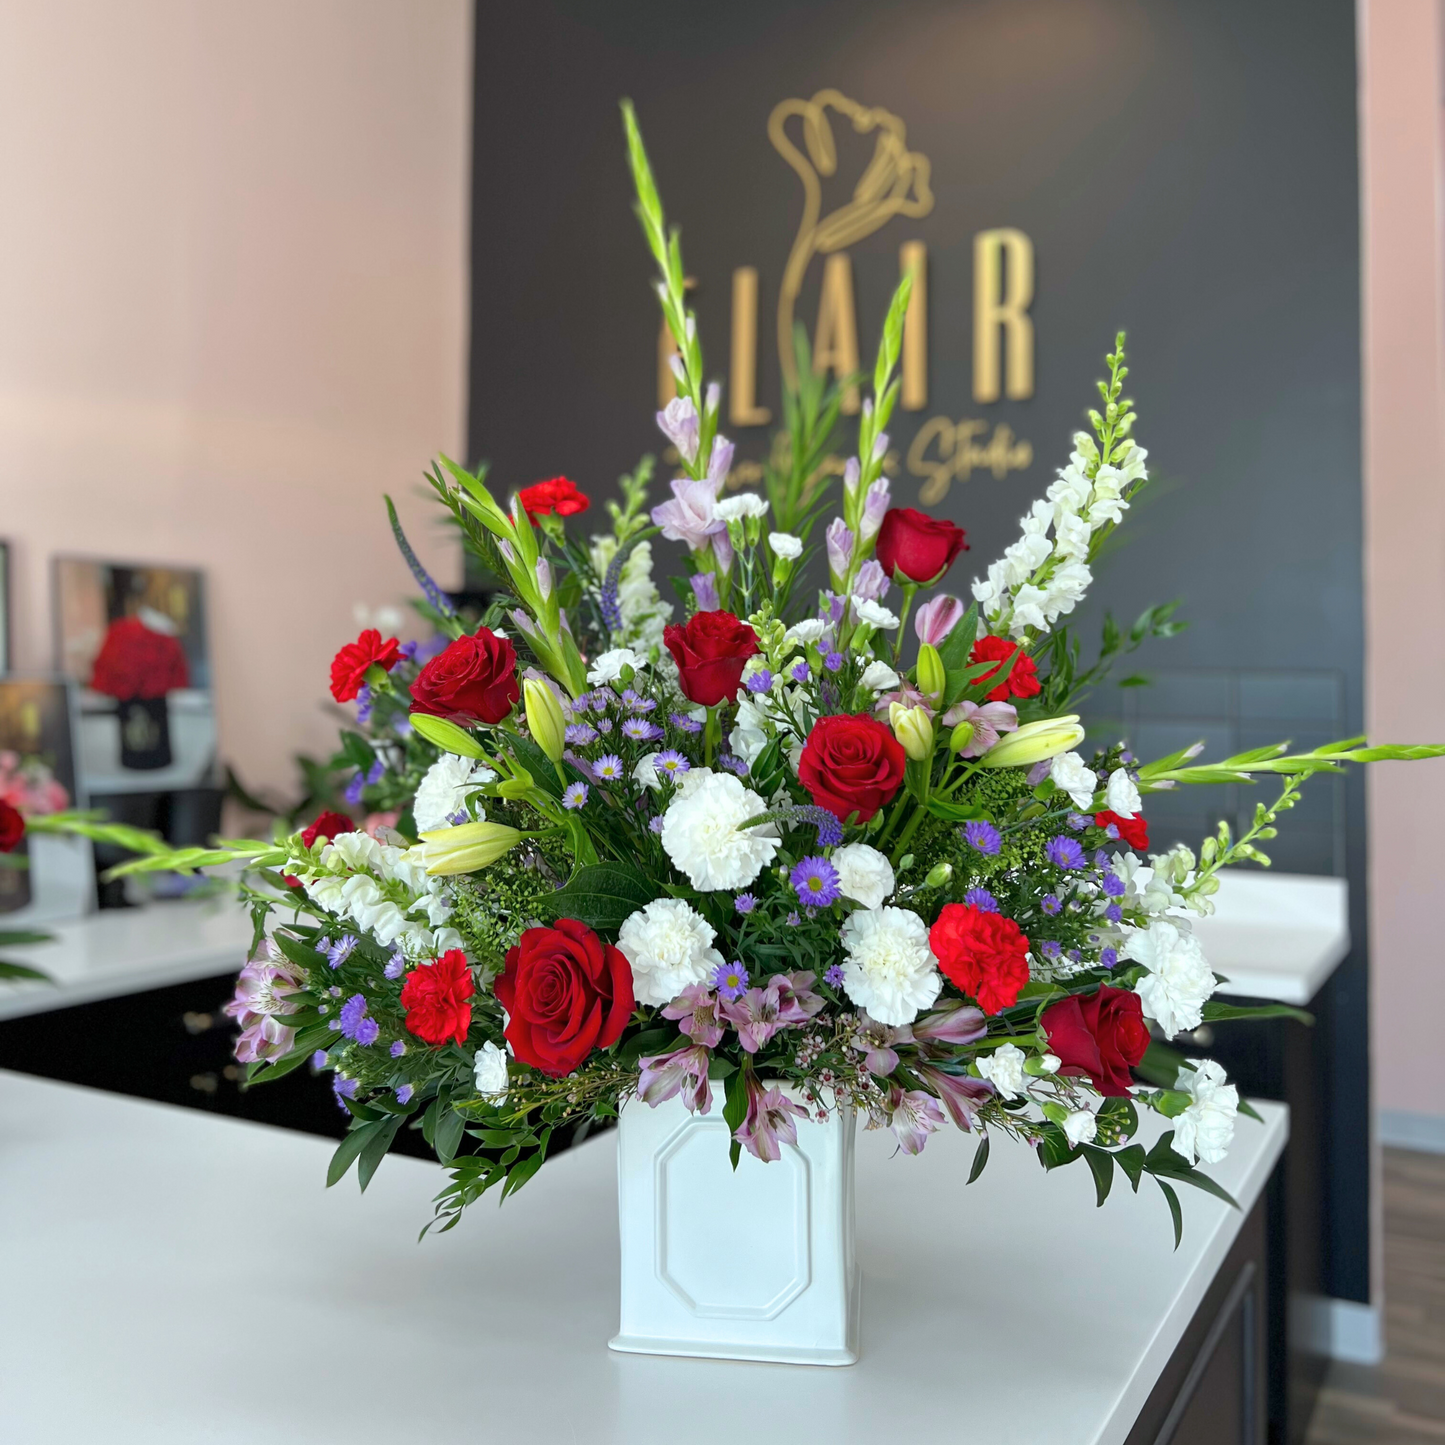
(172, 1277)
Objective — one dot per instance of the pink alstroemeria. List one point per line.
(261, 1002)
(877, 1043)
(761, 1012)
(696, 1009)
(691, 516)
(768, 1123)
(961, 1024)
(989, 719)
(664, 1076)
(906, 695)
(937, 618)
(913, 1116)
(961, 1096)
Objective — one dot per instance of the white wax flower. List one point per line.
(1004, 1069)
(443, 791)
(701, 833)
(745, 504)
(785, 545)
(1080, 1127)
(669, 945)
(879, 677)
(1179, 981)
(491, 1071)
(875, 614)
(1122, 796)
(864, 874)
(1205, 1130)
(608, 666)
(1071, 773)
(810, 629)
(890, 968)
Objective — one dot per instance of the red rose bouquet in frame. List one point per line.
(773, 850)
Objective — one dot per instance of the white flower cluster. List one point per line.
(669, 945)
(1041, 578)
(644, 613)
(702, 835)
(890, 968)
(1205, 1130)
(1179, 981)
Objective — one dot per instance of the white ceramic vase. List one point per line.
(757, 1264)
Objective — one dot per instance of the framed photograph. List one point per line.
(55, 878)
(132, 638)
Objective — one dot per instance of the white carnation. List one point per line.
(669, 946)
(1205, 1130)
(491, 1071)
(875, 614)
(1080, 1126)
(1122, 796)
(785, 545)
(890, 968)
(1072, 774)
(1004, 1069)
(702, 836)
(443, 791)
(810, 629)
(879, 677)
(608, 667)
(1179, 981)
(745, 504)
(864, 874)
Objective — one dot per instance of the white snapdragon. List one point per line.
(1179, 981)
(864, 874)
(890, 969)
(443, 791)
(1122, 794)
(1080, 1126)
(785, 545)
(750, 732)
(1004, 1069)
(875, 614)
(1072, 775)
(669, 946)
(810, 629)
(607, 667)
(744, 504)
(490, 1072)
(879, 677)
(702, 835)
(1205, 1130)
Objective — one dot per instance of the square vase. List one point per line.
(757, 1264)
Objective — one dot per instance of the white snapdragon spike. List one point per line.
(443, 792)
(864, 874)
(644, 613)
(1075, 777)
(1004, 1069)
(1080, 1127)
(879, 677)
(607, 667)
(1122, 794)
(491, 1072)
(1205, 1130)
(702, 835)
(890, 969)
(785, 545)
(1179, 981)
(669, 946)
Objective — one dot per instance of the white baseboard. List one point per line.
(1341, 1329)
(1403, 1130)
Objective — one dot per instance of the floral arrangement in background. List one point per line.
(28, 788)
(136, 660)
(772, 849)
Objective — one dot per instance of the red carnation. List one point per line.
(559, 495)
(135, 661)
(1100, 1035)
(914, 547)
(475, 679)
(1134, 831)
(12, 827)
(1020, 678)
(348, 667)
(985, 954)
(566, 992)
(710, 653)
(435, 999)
(851, 763)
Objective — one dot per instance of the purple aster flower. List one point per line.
(1101, 859)
(1114, 913)
(1109, 957)
(395, 965)
(579, 734)
(981, 899)
(1075, 956)
(397, 1049)
(733, 764)
(363, 703)
(320, 1059)
(640, 730)
(983, 836)
(608, 768)
(1050, 949)
(1065, 852)
(1078, 822)
(655, 825)
(730, 980)
(574, 795)
(403, 1094)
(833, 975)
(1113, 885)
(834, 662)
(633, 701)
(353, 789)
(683, 723)
(745, 903)
(604, 725)
(793, 921)
(816, 882)
(760, 681)
(704, 589)
(1050, 904)
(338, 952)
(375, 773)
(583, 703)
(800, 671)
(671, 762)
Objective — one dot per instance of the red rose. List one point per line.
(566, 993)
(710, 652)
(985, 954)
(12, 828)
(851, 763)
(914, 547)
(559, 495)
(1102, 1035)
(134, 661)
(1021, 681)
(327, 825)
(474, 679)
(435, 999)
(1134, 831)
(348, 667)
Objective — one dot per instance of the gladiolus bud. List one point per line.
(544, 717)
(914, 729)
(931, 676)
(448, 851)
(961, 738)
(1035, 742)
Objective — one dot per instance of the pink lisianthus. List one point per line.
(691, 516)
(262, 1001)
(912, 1117)
(989, 719)
(768, 1123)
(684, 1071)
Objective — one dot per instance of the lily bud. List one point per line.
(914, 729)
(448, 851)
(544, 717)
(446, 735)
(931, 676)
(1035, 742)
(961, 738)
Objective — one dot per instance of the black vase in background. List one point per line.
(145, 732)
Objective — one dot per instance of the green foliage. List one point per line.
(604, 895)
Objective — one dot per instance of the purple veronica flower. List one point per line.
(403, 1094)
(760, 681)
(338, 952)
(834, 662)
(683, 723)
(816, 882)
(671, 762)
(1114, 913)
(376, 772)
(833, 975)
(655, 824)
(608, 768)
(1113, 885)
(981, 899)
(395, 965)
(745, 903)
(353, 789)
(800, 671)
(397, 1049)
(1109, 957)
(579, 734)
(1050, 904)
(574, 796)
(983, 836)
(1065, 852)
(730, 980)
(640, 730)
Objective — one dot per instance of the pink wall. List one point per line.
(1401, 155)
(233, 294)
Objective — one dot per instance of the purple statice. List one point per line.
(655, 824)
(983, 836)
(1064, 852)
(403, 1094)
(760, 681)
(799, 671)
(1114, 913)
(397, 1049)
(343, 1088)
(363, 703)
(981, 899)
(683, 723)
(745, 903)
(353, 789)
(816, 882)
(793, 921)
(353, 1015)
(640, 730)
(604, 725)
(608, 768)
(1077, 822)
(579, 734)
(320, 1059)
(833, 975)
(730, 980)
(396, 964)
(733, 764)
(375, 773)
(574, 796)
(1050, 904)
(337, 952)
(834, 662)
(1113, 885)
(671, 762)
(1108, 957)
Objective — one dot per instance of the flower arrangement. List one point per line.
(743, 850)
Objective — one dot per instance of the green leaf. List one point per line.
(536, 762)
(298, 953)
(1175, 1211)
(448, 1135)
(1249, 1111)
(735, 1108)
(9, 969)
(603, 895)
(374, 1150)
(1131, 1161)
(446, 735)
(1214, 1012)
(651, 1041)
(17, 937)
(955, 812)
(1161, 1064)
(1121, 1114)
(1101, 1165)
(347, 1151)
(980, 1158)
(357, 750)
(1054, 1148)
